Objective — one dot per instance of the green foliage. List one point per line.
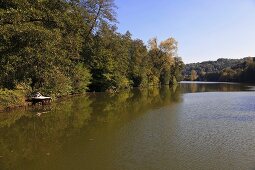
(176, 71)
(61, 47)
(80, 79)
(54, 82)
(208, 67)
(11, 98)
(227, 75)
(164, 63)
(224, 70)
(40, 40)
(138, 63)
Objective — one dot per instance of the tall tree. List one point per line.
(138, 63)
(98, 12)
(162, 59)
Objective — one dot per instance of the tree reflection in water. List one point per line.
(30, 138)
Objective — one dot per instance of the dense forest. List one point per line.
(223, 70)
(62, 47)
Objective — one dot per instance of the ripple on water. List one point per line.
(218, 128)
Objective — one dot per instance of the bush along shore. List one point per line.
(10, 99)
(60, 47)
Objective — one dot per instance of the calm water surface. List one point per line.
(191, 127)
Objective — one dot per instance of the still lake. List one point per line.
(190, 127)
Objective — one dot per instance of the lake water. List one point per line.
(194, 126)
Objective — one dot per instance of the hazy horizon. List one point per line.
(205, 30)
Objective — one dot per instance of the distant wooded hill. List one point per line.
(230, 70)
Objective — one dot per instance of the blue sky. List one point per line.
(204, 29)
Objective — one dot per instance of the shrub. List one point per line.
(11, 98)
(80, 79)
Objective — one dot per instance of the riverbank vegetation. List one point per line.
(61, 47)
(222, 70)
(11, 98)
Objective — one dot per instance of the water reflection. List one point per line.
(193, 87)
(33, 138)
(26, 137)
(166, 128)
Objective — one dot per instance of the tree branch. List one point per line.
(95, 20)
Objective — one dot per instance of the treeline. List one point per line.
(223, 70)
(61, 47)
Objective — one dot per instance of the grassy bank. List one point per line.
(11, 99)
